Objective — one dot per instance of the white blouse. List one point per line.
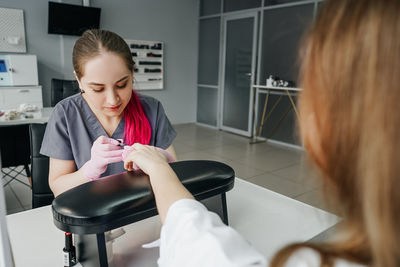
(193, 236)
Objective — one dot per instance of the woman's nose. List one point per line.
(112, 97)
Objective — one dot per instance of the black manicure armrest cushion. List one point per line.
(121, 199)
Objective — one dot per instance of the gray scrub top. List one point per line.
(73, 127)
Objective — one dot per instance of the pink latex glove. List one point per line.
(104, 151)
(129, 149)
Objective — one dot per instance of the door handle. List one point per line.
(23, 90)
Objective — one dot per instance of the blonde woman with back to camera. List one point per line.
(350, 126)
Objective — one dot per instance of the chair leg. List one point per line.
(28, 174)
(101, 245)
(27, 170)
(224, 209)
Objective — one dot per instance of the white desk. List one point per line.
(266, 219)
(41, 116)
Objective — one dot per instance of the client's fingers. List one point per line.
(127, 151)
(128, 165)
(139, 146)
(128, 158)
(113, 159)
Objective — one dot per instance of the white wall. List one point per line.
(175, 22)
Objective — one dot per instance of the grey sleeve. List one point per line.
(164, 132)
(56, 142)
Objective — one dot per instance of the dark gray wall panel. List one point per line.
(278, 2)
(283, 29)
(210, 7)
(238, 59)
(207, 105)
(233, 5)
(209, 51)
(319, 6)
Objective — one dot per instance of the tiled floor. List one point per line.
(274, 167)
(18, 196)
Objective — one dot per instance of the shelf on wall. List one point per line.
(149, 64)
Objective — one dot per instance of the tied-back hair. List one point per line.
(350, 74)
(137, 127)
(91, 44)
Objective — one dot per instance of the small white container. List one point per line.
(269, 81)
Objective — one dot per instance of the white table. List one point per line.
(41, 116)
(256, 138)
(266, 219)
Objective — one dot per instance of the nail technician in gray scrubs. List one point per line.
(81, 137)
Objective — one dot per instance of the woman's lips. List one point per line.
(115, 108)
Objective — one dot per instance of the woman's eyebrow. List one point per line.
(93, 83)
(123, 78)
(101, 84)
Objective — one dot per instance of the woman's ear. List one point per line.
(79, 83)
(133, 78)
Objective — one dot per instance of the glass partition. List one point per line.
(207, 105)
(234, 5)
(209, 51)
(278, 2)
(282, 32)
(210, 7)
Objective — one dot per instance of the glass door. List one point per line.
(238, 70)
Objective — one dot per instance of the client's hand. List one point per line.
(147, 158)
(166, 185)
(104, 151)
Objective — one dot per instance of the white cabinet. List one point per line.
(12, 97)
(18, 70)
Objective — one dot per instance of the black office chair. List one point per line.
(61, 89)
(14, 153)
(41, 193)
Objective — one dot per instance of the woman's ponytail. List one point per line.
(137, 126)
